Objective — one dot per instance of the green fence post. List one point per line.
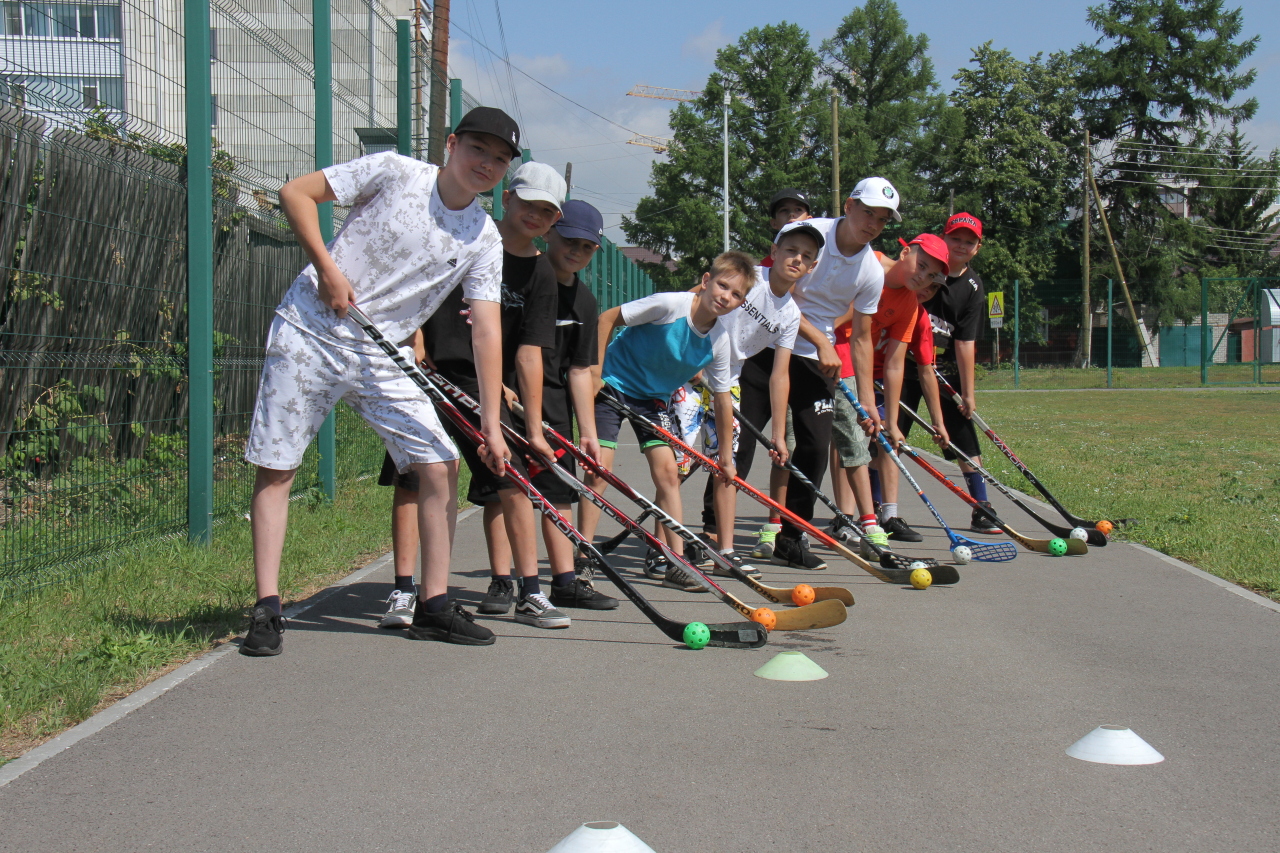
(1110, 318)
(199, 106)
(322, 51)
(404, 121)
(525, 155)
(1256, 284)
(1017, 326)
(1204, 331)
(455, 104)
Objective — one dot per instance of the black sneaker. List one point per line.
(979, 523)
(655, 565)
(796, 554)
(745, 568)
(678, 577)
(497, 601)
(451, 625)
(900, 531)
(582, 594)
(584, 568)
(265, 635)
(696, 554)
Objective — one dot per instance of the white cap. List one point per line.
(535, 181)
(877, 192)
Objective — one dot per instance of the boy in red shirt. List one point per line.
(923, 262)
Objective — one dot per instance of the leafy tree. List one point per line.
(774, 142)
(1154, 84)
(890, 108)
(1234, 204)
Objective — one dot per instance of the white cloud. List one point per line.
(705, 44)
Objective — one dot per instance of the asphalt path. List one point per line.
(942, 725)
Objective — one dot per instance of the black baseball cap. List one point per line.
(494, 122)
(789, 194)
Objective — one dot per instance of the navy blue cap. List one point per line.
(580, 221)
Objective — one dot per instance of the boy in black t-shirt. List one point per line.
(532, 205)
(568, 390)
(956, 314)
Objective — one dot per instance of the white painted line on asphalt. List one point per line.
(160, 686)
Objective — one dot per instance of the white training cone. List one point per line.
(791, 666)
(1114, 745)
(602, 836)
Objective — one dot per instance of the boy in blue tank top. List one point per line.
(667, 338)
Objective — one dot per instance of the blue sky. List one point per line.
(594, 52)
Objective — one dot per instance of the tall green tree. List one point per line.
(890, 108)
(1234, 204)
(774, 142)
(1160, 77)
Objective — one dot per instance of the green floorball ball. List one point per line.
(1057, 547)
(696, 635)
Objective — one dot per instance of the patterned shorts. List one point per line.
(694, 410)
(303, 378)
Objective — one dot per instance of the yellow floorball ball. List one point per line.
(921, 578)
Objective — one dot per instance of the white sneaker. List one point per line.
(399, 610)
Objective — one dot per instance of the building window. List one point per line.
(90, 93)
(62, 20)
(63, 94)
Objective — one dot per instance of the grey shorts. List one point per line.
(850, 441)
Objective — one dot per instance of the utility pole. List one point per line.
(835, 153)
(568, 181)
(1086, 317)
(727, 98)
(439, 80)
(951, 204)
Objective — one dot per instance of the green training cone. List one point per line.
(791, 666)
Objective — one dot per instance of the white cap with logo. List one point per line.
(877, 192)
(535, 181)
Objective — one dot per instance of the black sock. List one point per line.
(435, 604)
(564, 580)
(404, 583)
(529, 586)
(272, 601)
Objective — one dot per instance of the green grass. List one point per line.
(1200, 470)
(1128, 377)
(68, 649)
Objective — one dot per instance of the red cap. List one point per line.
(934, 246)
(964, 220)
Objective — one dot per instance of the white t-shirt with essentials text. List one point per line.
(836, 282)
(402, 250)
(764, 320)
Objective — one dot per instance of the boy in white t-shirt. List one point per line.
(414, 233)
(769, 318)
(847, 274)
(668, 338)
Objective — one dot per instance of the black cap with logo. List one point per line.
(494, 122)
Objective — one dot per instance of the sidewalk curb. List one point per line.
(99, 721)
(1173, 561)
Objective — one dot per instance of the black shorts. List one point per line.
(609, 420)
(548, 483)
(959, 428)
(389, 476)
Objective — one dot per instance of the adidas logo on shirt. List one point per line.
(453, 263)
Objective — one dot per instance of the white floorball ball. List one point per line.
(1079, 533)
(919, 564)
(961, 554)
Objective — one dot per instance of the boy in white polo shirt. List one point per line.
(847, 274)
(414, 233)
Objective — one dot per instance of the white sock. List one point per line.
(888, 511)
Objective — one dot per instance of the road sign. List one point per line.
(995, 305)
(997, 322)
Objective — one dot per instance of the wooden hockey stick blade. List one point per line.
(782, 594)
(820, 614)
(945, 575)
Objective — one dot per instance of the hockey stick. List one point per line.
(987, 552)
(1074, 546)
(1017, 463)
(773, 593)
(743, 635)
(822, 614)
(941, 574)
(888, 559)
(608, 545)
(1092, 536)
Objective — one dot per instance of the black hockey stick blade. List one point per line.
(735, 635)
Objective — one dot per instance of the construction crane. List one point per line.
(662, 93)
(657, 143)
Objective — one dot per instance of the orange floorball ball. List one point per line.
(765, 617)
(1105, 527)
(803, 594)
